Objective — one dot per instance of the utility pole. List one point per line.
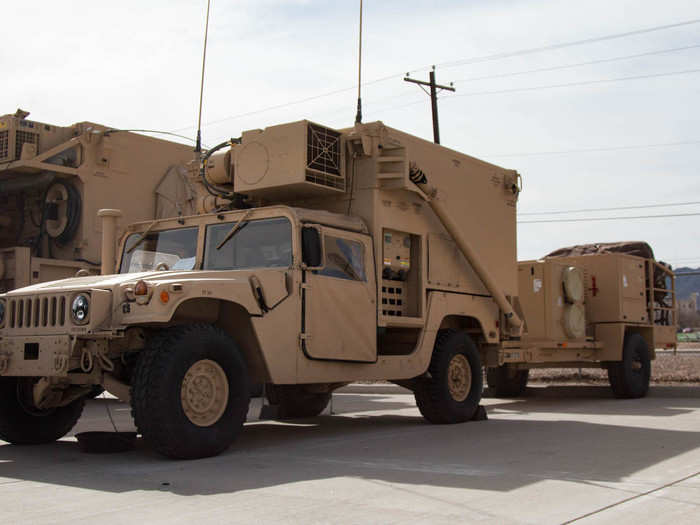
(433, 99)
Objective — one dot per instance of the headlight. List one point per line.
(2, 313)
(80, 308)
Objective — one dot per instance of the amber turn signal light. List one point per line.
(164, 296)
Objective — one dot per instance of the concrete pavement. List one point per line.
(557, 455)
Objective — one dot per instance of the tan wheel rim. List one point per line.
(204, 393)
(459, 378)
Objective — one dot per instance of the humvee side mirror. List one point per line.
(311, 251)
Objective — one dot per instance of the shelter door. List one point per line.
(340, 313)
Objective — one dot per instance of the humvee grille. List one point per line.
(4, 144)
(35, 312)
(25, 137)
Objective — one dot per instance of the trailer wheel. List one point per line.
(21, 423)
(190, 392)
(293, 401)
(629, 378)
(507, 381)
(452, 392)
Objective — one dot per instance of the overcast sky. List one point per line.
(136, 64)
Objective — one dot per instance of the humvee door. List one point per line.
(340, 314)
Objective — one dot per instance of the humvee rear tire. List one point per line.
(630, 377)
(23, 424)
(507, 381)
(452, 392)
(294, 402)
(190, 392)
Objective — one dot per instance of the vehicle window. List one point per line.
(174, 249)
(344, 259)
(263, 243)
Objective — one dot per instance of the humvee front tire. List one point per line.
(293, 401)
(23, 424)
(452, 390)
(630, 377)
(507, 381)
(190, 392)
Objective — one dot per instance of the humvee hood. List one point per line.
(104, 281)
(272, 282)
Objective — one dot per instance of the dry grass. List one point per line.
(667, 368)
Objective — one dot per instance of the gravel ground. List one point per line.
(667, 368)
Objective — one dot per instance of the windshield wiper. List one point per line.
(235, 228)
(143, 236)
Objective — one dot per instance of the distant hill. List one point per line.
(686, 285)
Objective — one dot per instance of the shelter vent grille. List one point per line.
(393, 298)
(323, 157)
(25, 137)
(4, 144)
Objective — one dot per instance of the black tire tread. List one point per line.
(429, 394)
(147, 396)
(21, 428)
(619, 373)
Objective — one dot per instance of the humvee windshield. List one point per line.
(264, 243)
(160, 250)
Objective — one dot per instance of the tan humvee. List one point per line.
(360, 254)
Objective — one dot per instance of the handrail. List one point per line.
(651, 289)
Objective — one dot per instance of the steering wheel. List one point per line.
(162, 267)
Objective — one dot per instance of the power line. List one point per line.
(472, 60)
(593, 219)
(551, 86)
(169, 133)
(550, 47)
(560, 212)
(578, 64)
(293, 102)
(593, 150)
(572, 84)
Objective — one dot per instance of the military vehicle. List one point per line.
(356, 254)
(54, 179)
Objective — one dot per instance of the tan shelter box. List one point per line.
(615, 287)
(551, 295)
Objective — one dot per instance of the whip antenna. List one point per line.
(358, 116)
(198, 147)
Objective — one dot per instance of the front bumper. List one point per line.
(47, 355)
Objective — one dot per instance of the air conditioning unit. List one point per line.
(17, 134)
(289, 161)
